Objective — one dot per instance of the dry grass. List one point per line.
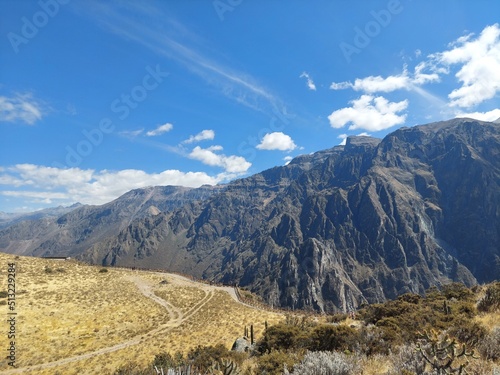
(79, 310)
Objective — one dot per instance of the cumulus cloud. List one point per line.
(491, 116)
(374, 84)
(231, 164)
(369, 113)
(277, 141)
(310, 82)
(207, 134)
(479, 72)
(160, 130)
(20, 108)
(49, 184)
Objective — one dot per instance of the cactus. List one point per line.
(251, 334)
(440, 352)
(224, 367)
(446, 308)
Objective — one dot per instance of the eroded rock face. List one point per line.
(357, 223)
(353, 224)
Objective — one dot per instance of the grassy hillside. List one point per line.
(77, 319)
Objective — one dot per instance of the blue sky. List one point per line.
(97, 98)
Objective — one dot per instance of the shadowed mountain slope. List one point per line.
(332, 230)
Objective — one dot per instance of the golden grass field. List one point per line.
(78, 320)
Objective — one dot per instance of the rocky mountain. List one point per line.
(357, 223)
(7, 219)
(71, 233)
(329, 231)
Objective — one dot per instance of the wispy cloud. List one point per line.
(179, 44)
(21, 108)
(131, 133)
(207, 134)
(309, 81)
(160, 130)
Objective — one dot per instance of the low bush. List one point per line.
(331, 363)
(490, 345)
(274, 363)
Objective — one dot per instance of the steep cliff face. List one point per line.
(353, 224)
(74, 232)
(356, 223)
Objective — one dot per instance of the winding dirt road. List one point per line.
(177, 317)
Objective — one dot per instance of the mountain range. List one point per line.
(354, 224)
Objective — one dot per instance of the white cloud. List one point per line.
(369, 113)
(491, 116)
(479, 72)
(344, 137)
(277, 141)
(207, 134)
(48, 184)
(374, 84)
(310, 82)
(231, 164)
(21, 107)
(160, 130)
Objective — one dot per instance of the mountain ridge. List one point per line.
(364, 222)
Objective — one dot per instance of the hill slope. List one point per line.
(74, 319)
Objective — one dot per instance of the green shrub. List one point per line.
(103, 270)
(491, 300)
(458, 291)
(4, 294)
(327, 337)
(468, 332)
(283, 337)
(203, 358)
(274, 363)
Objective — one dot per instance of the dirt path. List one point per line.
(177, 317)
